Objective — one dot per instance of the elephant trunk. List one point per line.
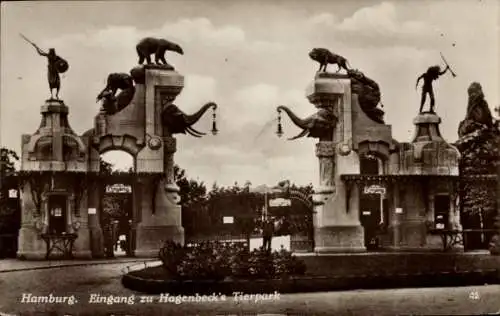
(192, 119)
(295, 119)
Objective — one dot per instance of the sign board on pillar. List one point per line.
(118, 188)
(399, 210)
(280, 202)
(12, 193)
(374, 189)
(92, 211)
(228, 220)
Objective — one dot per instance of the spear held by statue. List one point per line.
(60, 64)
(447, 65)
(27, 40)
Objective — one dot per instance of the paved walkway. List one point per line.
(8, 265)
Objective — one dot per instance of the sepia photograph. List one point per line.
(250, 157)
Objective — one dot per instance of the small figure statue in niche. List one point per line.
(432, 73)
(56, 65)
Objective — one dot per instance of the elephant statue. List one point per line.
(175, 121)
(319, 125)
(111, 103)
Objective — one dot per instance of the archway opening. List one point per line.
(117, 169)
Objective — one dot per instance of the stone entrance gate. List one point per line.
(62, 170)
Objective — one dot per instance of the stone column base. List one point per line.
(149, 239)
(31, 255)
(96, 242)
(82, 244)
(409, 235)
(30, 245)
(339, 239)
(82, 254)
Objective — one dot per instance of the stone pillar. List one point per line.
(82, 248)
(30, 245)
(162, 221)
(454, 215)
(412, 226)
(160, 212)
(93, 210)
(394, 217)
(336, 227)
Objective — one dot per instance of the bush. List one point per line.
(217, 261)
(172, 255)
(287, 264)
(261, 264)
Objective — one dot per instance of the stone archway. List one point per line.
(144, 128)
(137, 129)
(302, 240)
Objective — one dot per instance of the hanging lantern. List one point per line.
(214, 124)
(279, 132)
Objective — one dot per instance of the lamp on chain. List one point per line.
(214, 124)
(279, 132)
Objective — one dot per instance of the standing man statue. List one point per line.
(432, 73)
(56, 65)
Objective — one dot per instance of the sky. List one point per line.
(249, 57)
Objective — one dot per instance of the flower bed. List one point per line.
(216, 268)
(218, 261)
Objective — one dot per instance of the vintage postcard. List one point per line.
(250, 157)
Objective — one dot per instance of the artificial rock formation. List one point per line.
(479, 144)
(368, 93)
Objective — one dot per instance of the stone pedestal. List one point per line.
(336, 223)
(30, 245)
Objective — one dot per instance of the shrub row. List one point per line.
(212, 260)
